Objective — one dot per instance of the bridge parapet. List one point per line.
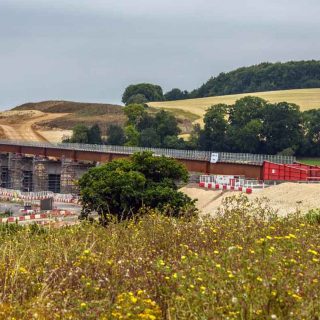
(224, 157)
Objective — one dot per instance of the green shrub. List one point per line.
(313, 216)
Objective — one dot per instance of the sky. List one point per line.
(91, 50)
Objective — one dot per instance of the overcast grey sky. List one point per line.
(90, 50)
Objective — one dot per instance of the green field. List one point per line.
(244, 264)
(310, 161)
(305, 98)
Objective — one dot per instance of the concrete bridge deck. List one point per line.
(249, 165)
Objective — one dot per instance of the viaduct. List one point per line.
(33, 166)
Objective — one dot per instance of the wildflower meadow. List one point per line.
(243, 263)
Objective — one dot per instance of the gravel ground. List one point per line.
(284, 198)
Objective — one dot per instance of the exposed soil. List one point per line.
(20, 125)
(284, 198)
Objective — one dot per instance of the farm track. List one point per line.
(24, 129)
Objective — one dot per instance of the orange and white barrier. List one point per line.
(24, 218)
(29, 196)
(224, 187)
(230, 183)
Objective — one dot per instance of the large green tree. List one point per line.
(94, 135)
(245, 128)
(176, 94)
(147, 91)
(281, 127)
(122, 187)
(115, 135)
(310, 145)
(213, 136)
(166, 124)
(80, 134)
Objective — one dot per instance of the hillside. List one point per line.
(71, 107)
(257, 78)
(305, 98)
(52, 120)
(77, 112)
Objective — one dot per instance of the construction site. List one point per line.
(36, 173)
(32, 173)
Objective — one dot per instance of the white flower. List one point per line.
(234, 300)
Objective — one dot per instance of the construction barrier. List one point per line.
(39, 216)
(23, 218)
(29, 196)
(229, 183)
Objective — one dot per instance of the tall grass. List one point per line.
(243, 264)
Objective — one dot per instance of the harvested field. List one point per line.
(284, 198)
(305, 98)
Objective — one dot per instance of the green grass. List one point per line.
(244, 264)
(310, 161)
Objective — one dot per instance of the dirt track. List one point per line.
(284, 198)
(20, 125)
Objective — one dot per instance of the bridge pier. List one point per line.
(34, 173)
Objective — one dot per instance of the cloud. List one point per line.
(90, 50)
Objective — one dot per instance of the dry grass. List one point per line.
(244, 264)
(70, 107)
(305, 98)
(72, 113)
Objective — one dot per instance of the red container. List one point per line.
(312, 171)
(284, 172)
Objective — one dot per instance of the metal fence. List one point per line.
(172, 153)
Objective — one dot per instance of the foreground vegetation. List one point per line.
(243, 264)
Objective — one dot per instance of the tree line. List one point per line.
(254, 125)
(251, 125)
(142, 129)
(256, 78)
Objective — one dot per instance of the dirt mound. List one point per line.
(290, 197)
(284, 198)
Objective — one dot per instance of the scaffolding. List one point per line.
(4, 171)
(27, 181)
(71, 171)
(40, 174)
(69, 176)
(36, 174)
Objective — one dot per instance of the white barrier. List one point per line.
(230, 183)
(17, 194)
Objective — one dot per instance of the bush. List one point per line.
(313, 216)
(122, 187)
